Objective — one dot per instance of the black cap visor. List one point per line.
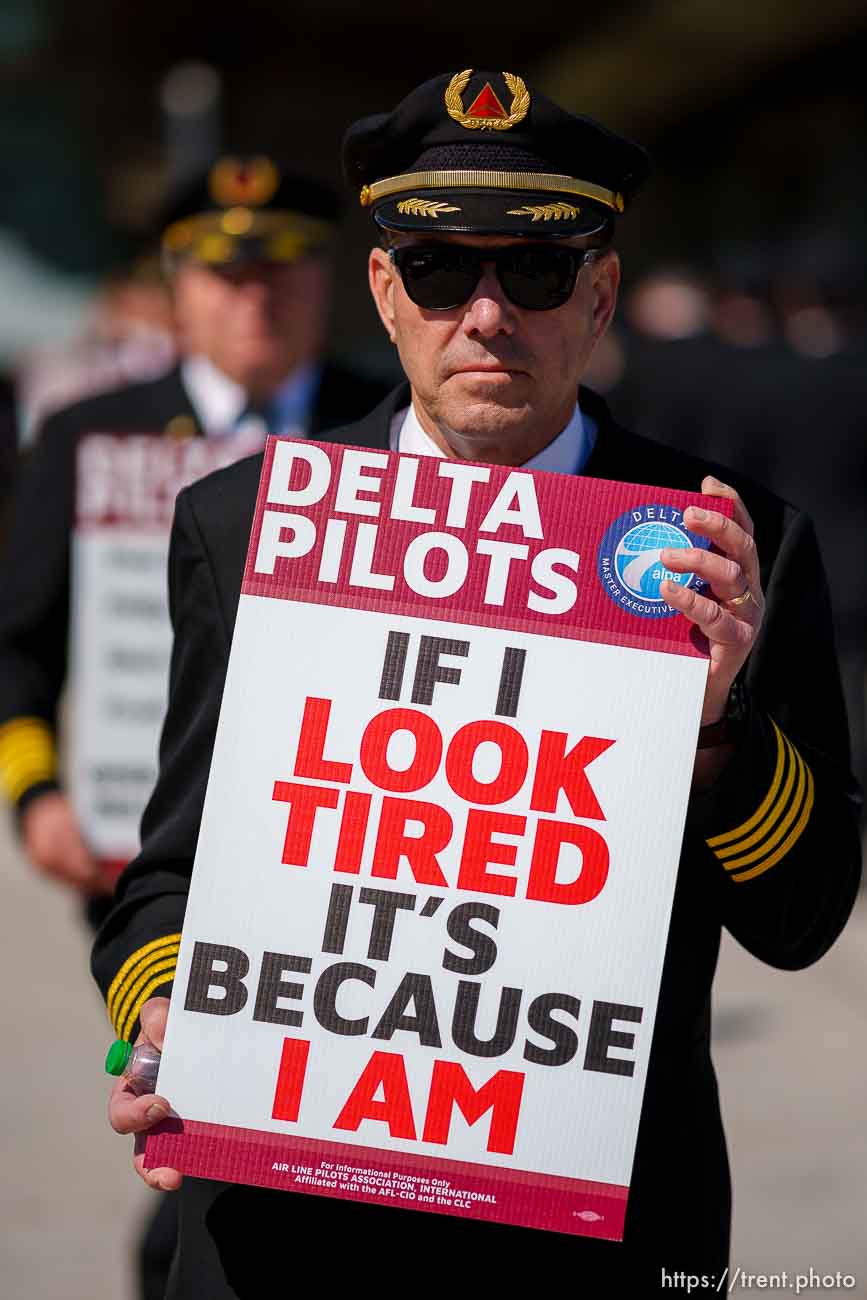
(519, 213)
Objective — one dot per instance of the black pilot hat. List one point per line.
(247, 209)
(482, 153)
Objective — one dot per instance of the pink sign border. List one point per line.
(575, 1206)
(594, 618)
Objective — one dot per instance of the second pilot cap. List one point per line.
(248, 209)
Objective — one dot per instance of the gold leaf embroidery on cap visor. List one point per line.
(423, 208)
(546, 212)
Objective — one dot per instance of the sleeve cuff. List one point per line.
(28, 757)
(757, 810)
(32, 793)
(149, 971)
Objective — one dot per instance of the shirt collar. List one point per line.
(568, 453)
(218, 401)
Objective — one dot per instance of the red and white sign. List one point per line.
(121, 637)
(424, 938)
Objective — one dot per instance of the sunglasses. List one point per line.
(537, 277)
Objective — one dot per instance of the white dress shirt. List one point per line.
(220, 403)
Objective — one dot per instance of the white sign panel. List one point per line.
(121, 636)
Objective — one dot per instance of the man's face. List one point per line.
(256, 322)
(492, 381)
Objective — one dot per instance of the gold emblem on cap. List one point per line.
(559, 211)
(491, 121)
(423, 208)
(243, 182)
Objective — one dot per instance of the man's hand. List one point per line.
(128, 1113)
(731, 622)
(53, 843)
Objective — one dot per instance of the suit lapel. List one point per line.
(607, 459)
(375, 429)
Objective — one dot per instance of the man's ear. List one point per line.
(606, 282)
(380, 272)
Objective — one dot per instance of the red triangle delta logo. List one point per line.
(486, 104)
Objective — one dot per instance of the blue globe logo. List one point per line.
(637, 560)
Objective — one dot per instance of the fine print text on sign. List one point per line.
(424, 939)
(121, 635)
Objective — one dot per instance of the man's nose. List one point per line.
(489, 311)
(253, 288)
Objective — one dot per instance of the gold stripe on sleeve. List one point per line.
(134, 965)
(766, 803)
(27, 755)
(165, 961)
(794, 763)
(126, 1029)
(762, 841)
(794, 811)
(787, 844)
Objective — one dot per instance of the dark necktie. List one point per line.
(263, 409)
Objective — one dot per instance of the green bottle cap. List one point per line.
(118, 1057)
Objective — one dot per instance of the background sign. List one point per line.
(425, 933)
(121, 635)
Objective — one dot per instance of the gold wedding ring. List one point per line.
(742, 599)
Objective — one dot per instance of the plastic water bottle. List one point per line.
(139, 1065)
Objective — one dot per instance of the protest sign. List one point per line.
(427, 918)
(121, 636)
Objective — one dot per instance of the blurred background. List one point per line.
(741, 336)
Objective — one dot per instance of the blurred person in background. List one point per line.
(763, 365)
(247, 253)
(128, 335)
(689, 336)
(812, 440)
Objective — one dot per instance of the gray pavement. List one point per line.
(69, 1201)
(791, 1055)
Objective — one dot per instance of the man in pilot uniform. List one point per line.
(247, 250)
(494, 276)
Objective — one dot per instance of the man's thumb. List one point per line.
(154, 1014)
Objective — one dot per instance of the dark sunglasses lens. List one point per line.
(437, 278)
(539, 278)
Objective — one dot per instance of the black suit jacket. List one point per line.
(34, 574)
(787, 913)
